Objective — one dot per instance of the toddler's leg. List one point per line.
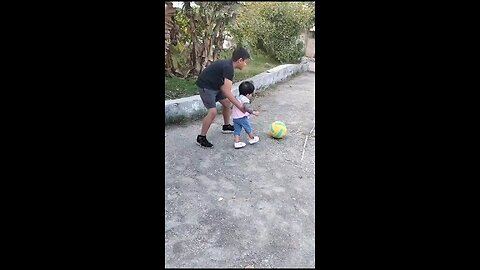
(248, 128)
(253, 138)
(237, 129)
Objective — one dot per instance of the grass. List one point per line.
(178, 88)
(256, 65)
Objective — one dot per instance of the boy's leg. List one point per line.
(208, 120)
(226, 111)
(208, 99)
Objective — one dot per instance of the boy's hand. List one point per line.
(226, 88)
(256, 113)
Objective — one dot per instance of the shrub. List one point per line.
(274, 28)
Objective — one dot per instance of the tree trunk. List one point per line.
(169, 13)
(206, 30)
(218, 39)
(195, 46)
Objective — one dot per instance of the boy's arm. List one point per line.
(227, 91)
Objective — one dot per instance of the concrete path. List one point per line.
(250, 207)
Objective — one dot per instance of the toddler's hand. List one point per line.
(256, 113)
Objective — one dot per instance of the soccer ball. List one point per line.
(278, 130)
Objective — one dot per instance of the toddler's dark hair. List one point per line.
(246, 88)
(240, 53)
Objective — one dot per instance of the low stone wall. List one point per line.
(192, 107)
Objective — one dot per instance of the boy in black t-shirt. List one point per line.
(215, 84)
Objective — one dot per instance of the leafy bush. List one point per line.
(274, 28)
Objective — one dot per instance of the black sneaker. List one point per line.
(227, 129)
(202, 141)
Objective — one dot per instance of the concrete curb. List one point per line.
(192, 107)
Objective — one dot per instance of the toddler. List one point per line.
(240, 119)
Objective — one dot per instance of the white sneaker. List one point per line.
(254, 140)
(238, 145)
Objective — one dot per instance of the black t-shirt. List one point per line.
(212, 77)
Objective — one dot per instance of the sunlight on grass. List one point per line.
(256, 65)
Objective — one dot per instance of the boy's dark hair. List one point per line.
(246, 88)
(240, 53)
